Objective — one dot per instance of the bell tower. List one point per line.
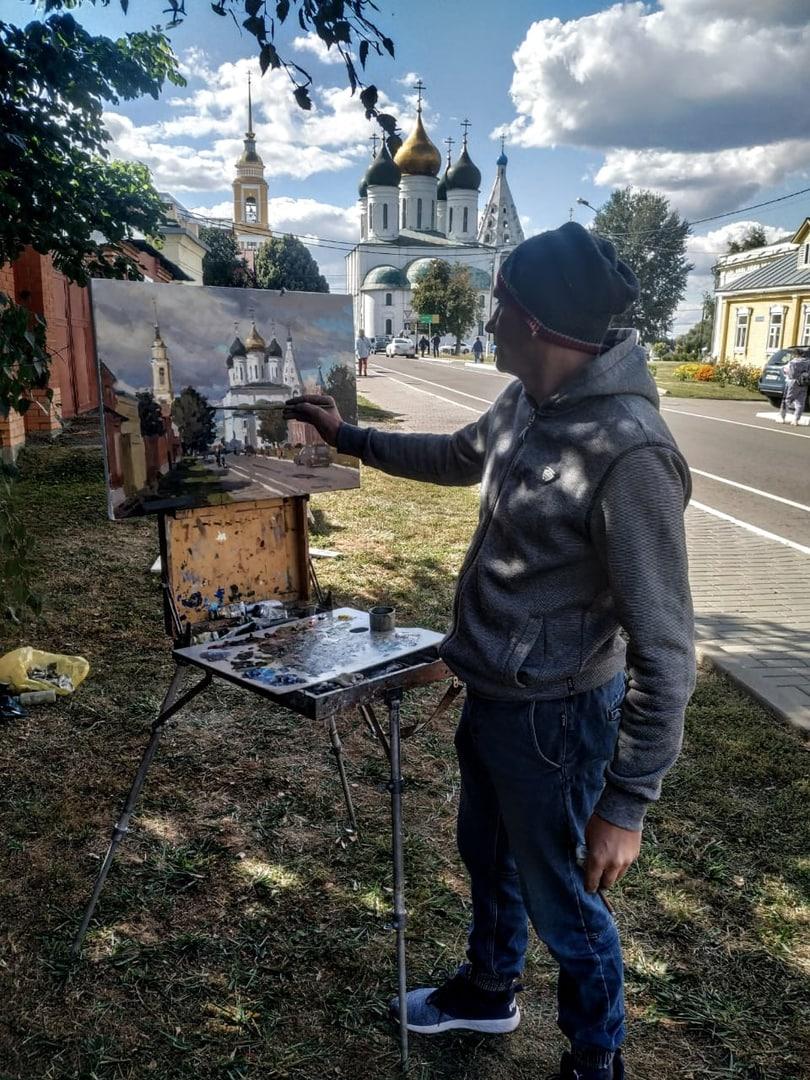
(250, 187)
(162, 390)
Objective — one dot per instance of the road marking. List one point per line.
(427, 393)
(755, 529)
(441, 386)
(752, 490)
(804, 422)
(739, 423)
(274, 490)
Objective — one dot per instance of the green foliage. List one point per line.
(149, 414)
(699, 337)
(445, 290)
(23, 357)
(223, 263)
(16, 561)
(340, 384)
(753, 237)
(272, 425)
(194, 418)
(736, 374)
(284, 262)
(651, 238)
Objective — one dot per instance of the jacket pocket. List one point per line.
(525, 644)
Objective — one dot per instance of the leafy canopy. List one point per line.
(223, 263)
(195, 422)
(446, 290)
(651, 238)
(753, 237)
(284, 262)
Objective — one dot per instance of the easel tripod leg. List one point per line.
(169, 707)
(337, 750)
(400, 916)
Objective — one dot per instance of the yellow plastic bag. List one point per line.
(16, 666)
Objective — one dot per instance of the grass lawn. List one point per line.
(241, 937)
(665, 380)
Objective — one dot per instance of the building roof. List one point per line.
(382, 171)
(418, 156)
(463, 175)
(417, 269)
(780, 273)
(385, 277)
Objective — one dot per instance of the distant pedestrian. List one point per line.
(424, 344)
(362, 347)
(436, 342)
(797, 381)
(477, 350)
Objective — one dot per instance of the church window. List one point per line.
(419, 213)
(404, 215)
(432, 213)
(385, 215)
(389, 326)
(465, 219)
(450, 223)
(388, 299)
(251, 215)
(370, 216)
(162, 375)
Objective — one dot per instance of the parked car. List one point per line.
(400, 346)
(449, 350)
(772, 380)
(381, 343)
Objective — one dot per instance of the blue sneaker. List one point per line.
(459, 1004)
(569, 1071)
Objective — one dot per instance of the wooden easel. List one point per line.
(256, 551)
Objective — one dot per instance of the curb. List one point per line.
(711, 655)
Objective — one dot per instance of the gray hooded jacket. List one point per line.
(580, 535)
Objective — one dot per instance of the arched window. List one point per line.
(370, 216)
(432, 213)
(404, 216)
(385, 215)
(389, 326)
(419, 213)
(251, 213)
(162, 375)
(465, 220)
(388, 299)
(450, 223)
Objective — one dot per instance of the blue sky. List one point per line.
(704, 100)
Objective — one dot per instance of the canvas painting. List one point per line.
(193, 380)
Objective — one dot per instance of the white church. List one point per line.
(409, 217)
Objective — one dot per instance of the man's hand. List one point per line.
(319, 410)
(611, 851)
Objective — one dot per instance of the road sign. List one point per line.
(429, 319)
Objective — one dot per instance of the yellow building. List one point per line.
(762, 300)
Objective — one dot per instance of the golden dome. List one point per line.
(418, 156)
(254, 340)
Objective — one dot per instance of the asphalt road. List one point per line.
(744, 465)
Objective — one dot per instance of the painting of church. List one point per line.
(193, 404)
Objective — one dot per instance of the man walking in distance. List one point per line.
(436, 341)
(581, 535)
(362, 347)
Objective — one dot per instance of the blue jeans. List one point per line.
(531, 774)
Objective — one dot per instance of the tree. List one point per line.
(272, 425)
(651, 238)
(283, 262)
(340, 384)
(753, 237)
(222, 263)
(445, 290)
(149, 415)
(194, 418)
(698, 337)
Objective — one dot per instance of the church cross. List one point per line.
(374, 140)
(419, 86)
(503, 140)
(466, 125)
(449, 143)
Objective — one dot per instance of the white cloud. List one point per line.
(312, 43)
(196, 148)
(673, 95)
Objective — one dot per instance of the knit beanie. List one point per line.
(569, 283)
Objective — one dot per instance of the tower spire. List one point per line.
(250, 112)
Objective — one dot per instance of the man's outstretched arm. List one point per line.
(456, 459)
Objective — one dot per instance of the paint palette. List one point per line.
(301, 654)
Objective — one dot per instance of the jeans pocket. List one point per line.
(548, 732)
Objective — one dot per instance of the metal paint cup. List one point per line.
(382, 619)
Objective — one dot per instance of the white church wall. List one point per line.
(412, 190)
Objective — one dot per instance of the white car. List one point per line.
(400, 346)
(449, 350)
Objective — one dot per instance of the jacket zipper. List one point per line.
(485, 526)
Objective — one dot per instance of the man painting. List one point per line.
(568, 729)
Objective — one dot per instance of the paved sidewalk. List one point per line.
(751, 594)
